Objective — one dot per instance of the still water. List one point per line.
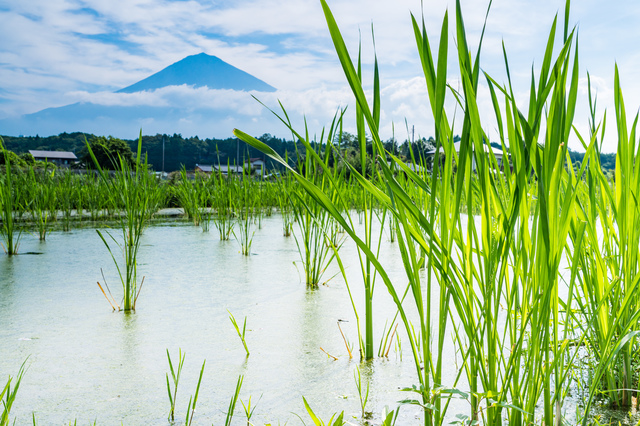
(88, 363)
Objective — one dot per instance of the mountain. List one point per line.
(200, 70)
(180, 117)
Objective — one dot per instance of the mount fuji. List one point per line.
(198, 95)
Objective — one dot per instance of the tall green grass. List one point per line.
(9, 206)
(493, 240)
(8, 396)
(137, 195)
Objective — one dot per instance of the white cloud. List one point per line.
(56, 52)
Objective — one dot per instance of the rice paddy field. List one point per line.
(476, 292)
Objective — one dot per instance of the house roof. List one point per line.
(53, 155)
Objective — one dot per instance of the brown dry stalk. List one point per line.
(328, 354)
(345, 341)
(386, 354)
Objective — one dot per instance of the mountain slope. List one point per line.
(200, 70)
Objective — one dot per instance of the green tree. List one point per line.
(107, 152)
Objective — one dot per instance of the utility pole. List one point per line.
(163, 155)
(237, 154)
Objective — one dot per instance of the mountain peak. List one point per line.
(200, 70)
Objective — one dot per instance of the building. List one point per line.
(497, 153)
(59, 158)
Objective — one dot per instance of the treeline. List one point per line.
(178, 151)
(182, 152)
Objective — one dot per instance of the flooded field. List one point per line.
(88, 363)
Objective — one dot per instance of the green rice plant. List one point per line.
(43, 202)
(245, 209)
(9, 205)
(191, 408)
(223, 219)
(363, 393)
(608, 306)
(314, 246)
(476, 234)
(65, 197)
(389, 417)
(233, 402)
(285, 205)
(8, 395)
(317, 421)
(175, 377)
(240, 334)
(135, 191)
(249, 409)
(194, 197)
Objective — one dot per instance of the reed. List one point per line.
(245, 209)
(483, 242)
(316, 245)
(319, 422)
(43, 201)
(9, 205)
(8, 395)
(175, 377)
(248, 409)
(223, 219)
(609, 272)
(136, 193)
(193, 400)
(240, 334)
(363, 393)
(234, 401)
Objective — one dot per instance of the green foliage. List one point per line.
(8, 395)
(107, 153)
(11, 157)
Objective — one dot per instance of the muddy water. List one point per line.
(88, 363)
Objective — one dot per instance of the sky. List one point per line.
(58, 52)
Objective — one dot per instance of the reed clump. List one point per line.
(492, 238)
(138, 197)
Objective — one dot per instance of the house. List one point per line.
(59, 158)
(498, 154)
(222, 168)
(254, 164)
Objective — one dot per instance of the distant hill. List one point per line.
(199, 71)
(126, 121)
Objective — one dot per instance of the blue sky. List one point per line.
(57, 52)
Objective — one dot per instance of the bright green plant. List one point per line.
(136, 193)
(223, 219)
(475, 222)
(175, 377)
(43, 202)
(249, 409)
(363, 393)
(9, 205)
(8, 395)
(319, 422)
(241, 334)
(191, 408)
(245, 209)
(234, 401)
